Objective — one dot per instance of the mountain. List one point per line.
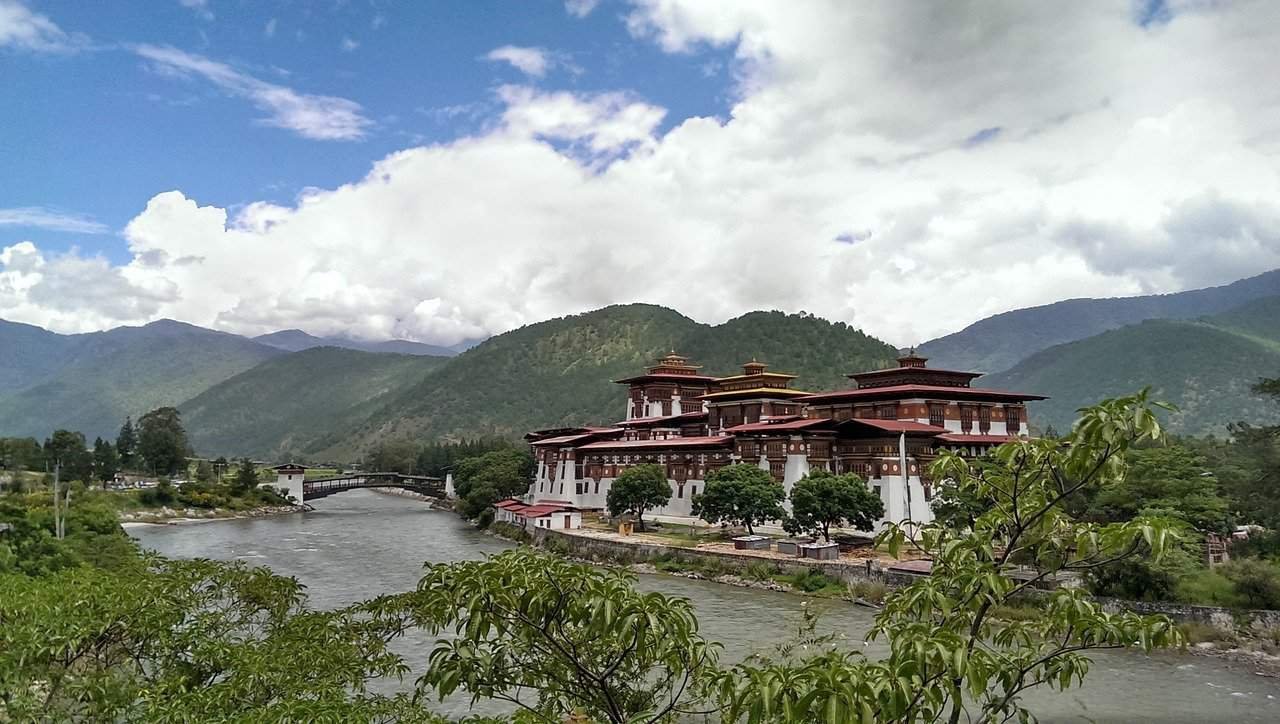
(90, 382)
(1204, 366)
(999, 342)
(296, 340)
(559, 372)
(274, 409)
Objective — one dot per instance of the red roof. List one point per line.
(960, 437)
(769, 426)
(682, 417)
(667, 377)
(703, 441)
(570, 439)
(908, 370)
(901, 391)
(897, 425)
(540, 510)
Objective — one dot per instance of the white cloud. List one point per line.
(347, 45)
(580, 8)
(905, 168)
(52, 219)
(269, 30)
(26, 30)
(199, 7)
(319, 117)
(530, 61)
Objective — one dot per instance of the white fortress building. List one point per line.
(886, 428)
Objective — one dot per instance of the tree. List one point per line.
(105, 461)
(951, 656)
(1257, 582)
(127, 443)
(822, 499)
(191, 641)
(483, 480)
(204, 472)
(556, 639)
(246, 477)
(220, 467)
(1172, 481)
(741, 494)
(69, 449)
(162, 441)
(637, 489)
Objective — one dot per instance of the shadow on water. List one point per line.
(360, 544)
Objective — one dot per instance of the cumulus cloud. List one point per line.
(857, 176)
(51, 219)
(530, 61)
(26, 30)
(580, 8)
(324, 118)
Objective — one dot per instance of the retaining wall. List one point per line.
(581, 546)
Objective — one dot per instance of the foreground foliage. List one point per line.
(554, 638)
(950, 657)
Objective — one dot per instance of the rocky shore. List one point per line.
(167, 515)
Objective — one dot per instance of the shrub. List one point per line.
(760, 572)
(873, 591)
(1207, 587)
(1197, 632)
(812, 581)
(1257, 582)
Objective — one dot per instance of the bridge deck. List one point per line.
(322, 487)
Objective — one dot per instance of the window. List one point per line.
(777, 469)
(775, 449)
(937, 414)
(887, 412)
(984, 419)
(693, 490)
(577, 488)
(680, 490)
(597, 490)
(966, 418)
(1013, 419)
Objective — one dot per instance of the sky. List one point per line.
(444, 171)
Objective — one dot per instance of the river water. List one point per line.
(360, 544)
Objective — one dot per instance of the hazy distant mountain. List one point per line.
(277, 408)
(560, 371)
(90, 382)
(1204, 366)
(296, 340)
(999, 342)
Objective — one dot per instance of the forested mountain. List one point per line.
(559, 372)
(90, 382)
(274, 409)
(1204, 366)
(1001, 341)
(296, 340)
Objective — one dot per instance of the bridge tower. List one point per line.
(290, 477)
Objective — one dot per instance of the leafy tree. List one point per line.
(637, 489)
(127, 443)
(483, 480)
(69, 449)
(191, 641)
(204, 472)
(1172, 481)
(105, 461)
(246, 477)
(822, 499)
(162, 441)
(1256, 581)
(393, 456)
(741, 494)
(21, 453)
(951, 657)
(558, 639)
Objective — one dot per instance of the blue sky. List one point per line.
(446, 171)
(97, 132)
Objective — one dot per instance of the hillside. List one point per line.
(90, 382)
(273, 409)
(1203, 366)
(1001, 341)
(559, 372)
(296, 340)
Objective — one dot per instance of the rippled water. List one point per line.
(360, 544)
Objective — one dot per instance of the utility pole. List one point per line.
(59, 508)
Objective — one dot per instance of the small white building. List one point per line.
(552, 515)
(289, 479)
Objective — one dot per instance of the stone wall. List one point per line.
(581, 546)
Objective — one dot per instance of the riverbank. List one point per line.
(1248, 639)
(166, 515)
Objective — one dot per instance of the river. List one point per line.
(360, 544)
